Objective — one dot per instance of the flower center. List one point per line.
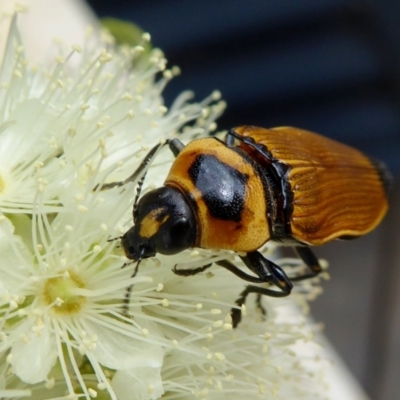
(61, 291)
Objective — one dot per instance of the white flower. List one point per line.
(68, 301)
(65, 331)
(90, 119)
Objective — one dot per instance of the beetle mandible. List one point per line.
(283, 184)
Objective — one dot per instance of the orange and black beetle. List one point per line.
(283, 184)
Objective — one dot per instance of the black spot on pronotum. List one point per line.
(223, 188)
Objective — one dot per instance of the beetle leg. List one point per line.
(259, 304)
(189, 272)
(175, 145)
(125, 306)
(238, 272)
(310, 260)
(230, 139)
(225, 264)
(262, 277)
(268, 271)
(236, 313)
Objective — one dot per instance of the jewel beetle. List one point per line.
(283, 184)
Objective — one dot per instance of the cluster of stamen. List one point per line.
(61, 291)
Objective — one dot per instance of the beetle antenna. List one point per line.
(142, 167)
(145, 163)
(129, 289)
(138, 191)
(114, 239)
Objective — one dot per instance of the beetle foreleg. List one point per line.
(130, 287)
(310, 260)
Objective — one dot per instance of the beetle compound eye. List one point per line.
(131, 250)
(174, 237)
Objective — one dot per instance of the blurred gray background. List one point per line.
(330, 66)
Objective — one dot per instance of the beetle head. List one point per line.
(164, 223)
